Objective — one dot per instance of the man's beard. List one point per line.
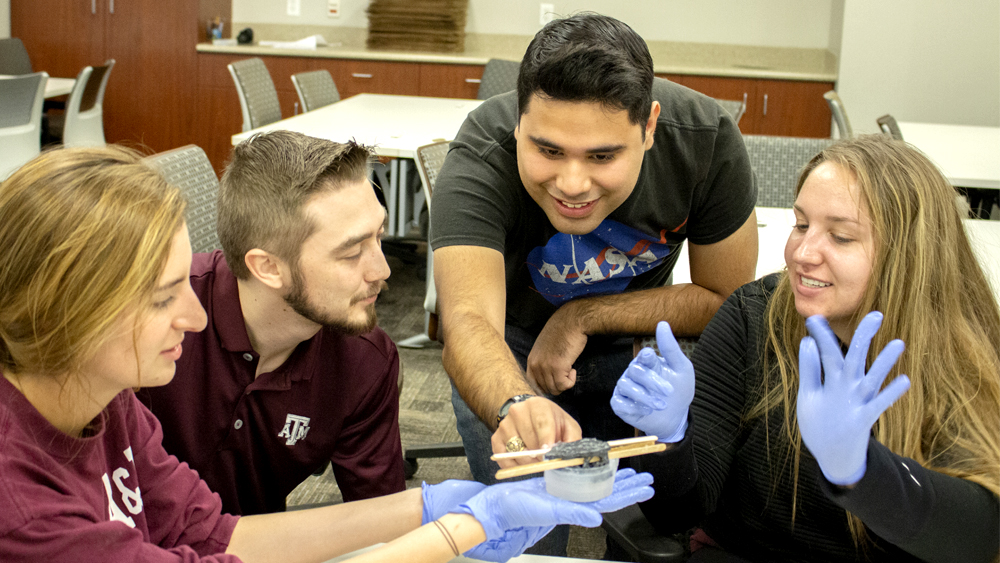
(299, 303)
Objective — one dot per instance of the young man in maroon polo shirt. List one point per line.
(291, 371)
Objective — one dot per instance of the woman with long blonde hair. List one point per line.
(95, 299)
(813, 434)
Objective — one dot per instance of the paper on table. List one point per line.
(310, 42)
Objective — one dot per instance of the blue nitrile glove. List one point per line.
(442, 498)
(511, 544)
(655, 393)
(519, 504)
(445, 497)
(836, 414)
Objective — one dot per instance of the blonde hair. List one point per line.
(85, 233)
(934, 296)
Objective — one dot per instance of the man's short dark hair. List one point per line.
(268, 183)
(588, 57)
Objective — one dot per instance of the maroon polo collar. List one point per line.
(230, 325)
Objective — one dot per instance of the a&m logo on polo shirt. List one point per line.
(295, 429)
(602, 261)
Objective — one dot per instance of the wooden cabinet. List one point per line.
(61, 37)
(374, 77)
(792, 108)
(450, 81)
(151, 93)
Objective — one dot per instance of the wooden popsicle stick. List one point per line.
(543, 451)
(627, 441)
(522, 453)
(637, 450)
(530, 468)
(627, 450)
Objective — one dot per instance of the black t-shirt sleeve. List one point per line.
(477, 195)
(724, 200)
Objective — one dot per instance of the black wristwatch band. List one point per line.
(502, 413)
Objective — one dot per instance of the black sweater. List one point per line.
(720, 476)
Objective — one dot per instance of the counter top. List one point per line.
(669, 57)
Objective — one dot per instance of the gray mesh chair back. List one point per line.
(429, 161)
(735, 108)
(776, 162)
(84, 121)
(430, 158)
(189, 169)
(499, 76)
(315, 89)
(14, 57)
(21, 99)
(887, 123)
(839, 114)
(258, 98)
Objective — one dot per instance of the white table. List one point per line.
(985, 239)
(54, 87)
(774, 225)
(396, 126)
(968, 155)
(524, 558)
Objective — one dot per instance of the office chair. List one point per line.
(776, 162)
(499, 76)
(83, 123)
(630, 529)
(258, 98)
(189, 169)
(736, 108)
(14, 59)
(21, 99)
(429, 161)
(887, 123)
(839, 114)
(315, 89)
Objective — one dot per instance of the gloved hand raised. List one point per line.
(518, 504)
(836, 414)
(655, 393)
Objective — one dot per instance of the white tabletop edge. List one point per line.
(395, 126)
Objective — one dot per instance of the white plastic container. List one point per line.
(582, 484)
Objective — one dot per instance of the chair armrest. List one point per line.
(630, 529)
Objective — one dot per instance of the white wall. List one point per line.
(4, 19)
(836, 27)
(780, 23)
(921, 60)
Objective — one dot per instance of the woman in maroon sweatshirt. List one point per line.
(94, 301)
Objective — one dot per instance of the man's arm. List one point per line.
(717, 270)
(471, 289)
(368, 457)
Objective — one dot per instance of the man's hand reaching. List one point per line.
(538, 422)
